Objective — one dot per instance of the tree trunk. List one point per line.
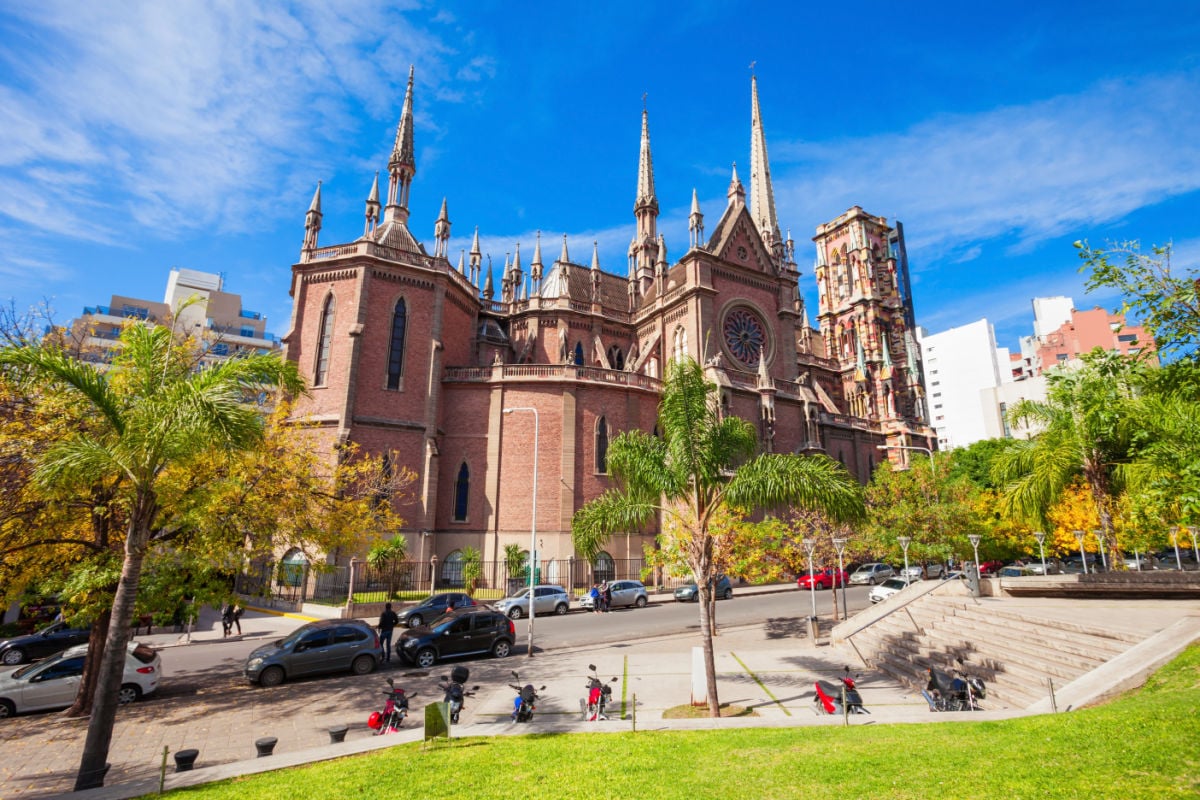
(82, 706)
(112, 664)
(706, 639)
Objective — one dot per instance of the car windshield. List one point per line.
(293, 637)
(894, 583)
(519, 595)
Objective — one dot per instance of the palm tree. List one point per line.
(156, 411)
(702, 464)
(385, 555)
(1085, 430)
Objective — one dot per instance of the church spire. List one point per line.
(403, 164)
(312, 221)
(488, 291)
(762, 196)
(372, 207)
(564, 258)
(441, 233)
(736, 192)
(645, 209)
(476, 258)
(696, 223)
(535, 266)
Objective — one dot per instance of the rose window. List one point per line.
(745, 336)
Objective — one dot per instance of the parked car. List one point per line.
(624, 593)
(460, 633)
(913, 572)
(872, 573)
(828, 578)
(53, 638)
(691, 592)
(328, 645)
(1053, 567)
(990, 567)
(886, 589)
(54, 682)
(547, 598)
(433, 607)
(1140, 561)
(1016, 571)
(934, 570)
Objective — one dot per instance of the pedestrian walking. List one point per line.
(387, 622)
(606, 596)
(595, 595)
(226, 619)
(237, 616)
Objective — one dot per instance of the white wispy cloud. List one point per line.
(185, 114)
(1019, 173)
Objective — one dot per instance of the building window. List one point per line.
(602, 445)
(324, 343)
(1127, 337)
(579, 354)
(462, 489)
(604, 568)
(616, 358)
(452, 570)
(396, 347)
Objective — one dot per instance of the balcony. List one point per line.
(551, 372)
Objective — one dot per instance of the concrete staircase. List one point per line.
(1018, 652)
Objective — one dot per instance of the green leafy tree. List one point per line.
(155, 412)
(701, 465)
(1163, 297)
(1086, 429)
(385, 555)
(472, 567)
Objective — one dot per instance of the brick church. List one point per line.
(424, 363)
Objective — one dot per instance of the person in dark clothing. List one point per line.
(607, 596)
(387, 622)
(226, 619)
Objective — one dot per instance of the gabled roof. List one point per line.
(736, 229)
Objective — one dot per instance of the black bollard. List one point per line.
(265, 745)
(185, 759)
(338, 734)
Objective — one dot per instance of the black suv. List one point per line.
(461, 633)
(433, 607)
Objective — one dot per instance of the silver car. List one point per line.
(328, 645)
(53, 682)
(872, 573)
(548, 599)
(624, 593)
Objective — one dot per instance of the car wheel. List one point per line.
(640, 602)
(728, 593)
(415, 620)
(425, 657)
(514, 612)
(129, 694)
(13, 656)
(560, 609)
(871, 580)
(501, 649)
(271, 676)
(7, 709)
(362, 665)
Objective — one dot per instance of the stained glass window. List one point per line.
(745, 336)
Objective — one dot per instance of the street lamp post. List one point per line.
(1101, 540)
(1082, 555)
(974, 538)
(1195, 554)
(918, 448)
(840, 545)
(904, 542)
(810, 546)
(533, 523)
(1041, 540)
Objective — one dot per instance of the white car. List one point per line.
(886, 589)
(548, 599)
(53, 682)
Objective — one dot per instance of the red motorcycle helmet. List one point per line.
(375, 721)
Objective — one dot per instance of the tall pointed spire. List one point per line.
(762, 196)
(488, 291)
(476, 258)
(535, 266)
(645, 209)
(462, 262)
(595, 272)
(645, 188)
(564, 257)
(441, 233)
(402, 166)
(312, 220)
(736, 192)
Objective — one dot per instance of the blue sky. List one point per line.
(136, 137)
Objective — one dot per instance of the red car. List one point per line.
(990, 567)
(829, 578)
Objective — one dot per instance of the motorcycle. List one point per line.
(395, 709)
(525, 702)
(831, 699)
(599, 695)
(959, 692)
(454, 690)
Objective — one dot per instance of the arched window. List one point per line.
(324, 343)
(602, 445)
(616, 358)
(462, 490)
(604, 568)
(579, 354)
(396, 347)
(452, 569)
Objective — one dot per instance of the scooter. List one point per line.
(454, 688)
(525, 702)
(395, 709)
(599, 695)
(831, 699)
(959, 692)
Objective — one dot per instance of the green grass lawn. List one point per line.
(1144, 745)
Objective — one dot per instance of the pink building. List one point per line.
(420, 361)
(1088, 330)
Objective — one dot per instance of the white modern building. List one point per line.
(961, 365)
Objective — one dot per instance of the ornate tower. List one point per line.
(645, 209)
(864, 322)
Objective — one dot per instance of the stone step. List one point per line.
(1089, 645)
(909, 669)
(1063, 655)
(992, 663)
(1024, 616)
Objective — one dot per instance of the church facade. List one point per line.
(504, 401)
